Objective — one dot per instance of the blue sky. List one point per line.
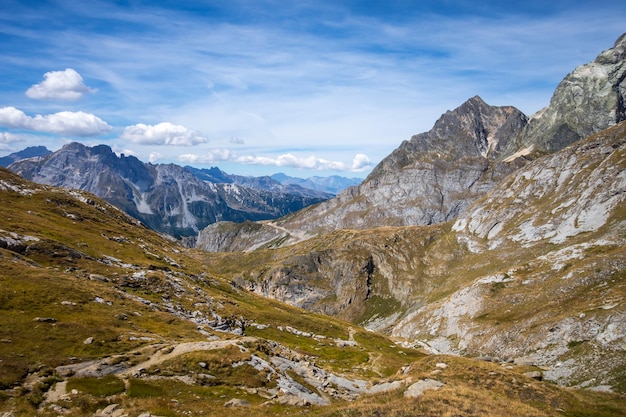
(259, 87)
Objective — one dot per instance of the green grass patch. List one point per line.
(98, 387)
(139, 388)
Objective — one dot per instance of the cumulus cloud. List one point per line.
(62, 123)
(60, 85)
(359, 163)
(162, 134)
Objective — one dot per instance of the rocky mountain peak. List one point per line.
(474, 129)
(588, 100)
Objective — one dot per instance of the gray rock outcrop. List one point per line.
(590, 99)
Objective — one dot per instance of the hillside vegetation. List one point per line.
(101, 316)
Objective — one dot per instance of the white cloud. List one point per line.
(60, 85)
(154, 157)
(7, 138)
(162, 134)
(359, 163)
(236, 140)
(62, 123)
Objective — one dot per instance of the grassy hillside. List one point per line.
(97, 310)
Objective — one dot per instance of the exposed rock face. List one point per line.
(588, 100)
(533, 271)
(167, 198)
(557, 226)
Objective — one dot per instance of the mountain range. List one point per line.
(171, 199)
(102, 317)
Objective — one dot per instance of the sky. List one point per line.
(256, 87)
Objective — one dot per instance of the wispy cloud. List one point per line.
(276, 79)
(359, 163)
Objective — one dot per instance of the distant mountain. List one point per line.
(429, 179)
(30, 152)
(435, 176)
(218, 176)
(168, 198)
(332, 184)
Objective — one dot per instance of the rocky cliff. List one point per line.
(167, 198)
(435, 176)
(588, 100)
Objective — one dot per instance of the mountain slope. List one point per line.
(167, 198)
(436, 175)
(268, 183)
(101, 316)
(533, 271)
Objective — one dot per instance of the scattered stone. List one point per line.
(98, 277)
(422, 385)
(88, 341)
(202, 364)
(68, 303)
(58, 409)
(45, 319)
(524, 361)
(534, 375)
(441, 365)
(111, 410)
(236, 402)
(292, 400)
